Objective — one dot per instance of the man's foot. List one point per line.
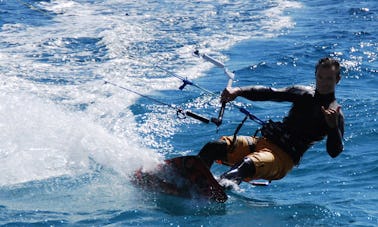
(232, 175)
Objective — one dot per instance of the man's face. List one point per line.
(326, 80)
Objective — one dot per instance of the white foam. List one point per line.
(229, 184)
(41, 140)
(277, 17)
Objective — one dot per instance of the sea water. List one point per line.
(69, 142)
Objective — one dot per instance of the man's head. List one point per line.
(327, 73)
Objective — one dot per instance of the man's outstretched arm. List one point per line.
(261, 93)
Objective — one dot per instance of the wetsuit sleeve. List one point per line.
(335, 138)
(261, 93)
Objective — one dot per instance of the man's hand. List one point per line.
(331, 116)
(229, 94)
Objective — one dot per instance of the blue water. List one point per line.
(69, 142)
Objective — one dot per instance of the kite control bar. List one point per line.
(230, 75)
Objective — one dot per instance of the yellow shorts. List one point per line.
(271, 162)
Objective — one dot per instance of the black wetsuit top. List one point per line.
(305, 123)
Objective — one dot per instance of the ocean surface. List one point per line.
(69, 142)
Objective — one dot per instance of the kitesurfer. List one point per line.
(314, 114)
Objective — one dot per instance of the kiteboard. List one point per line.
(186, 176)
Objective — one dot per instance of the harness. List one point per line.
(277, 133)
(294, 145)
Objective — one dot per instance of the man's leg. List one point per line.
(268, 162)
(242, 171)
(215, 150)
(231, 153)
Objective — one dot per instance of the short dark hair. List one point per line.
(328, 63)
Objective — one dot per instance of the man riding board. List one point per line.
(314, 114)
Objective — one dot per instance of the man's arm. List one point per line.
(261, 93)
(335, 137)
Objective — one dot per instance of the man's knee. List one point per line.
(218, 146)
(214, 150)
